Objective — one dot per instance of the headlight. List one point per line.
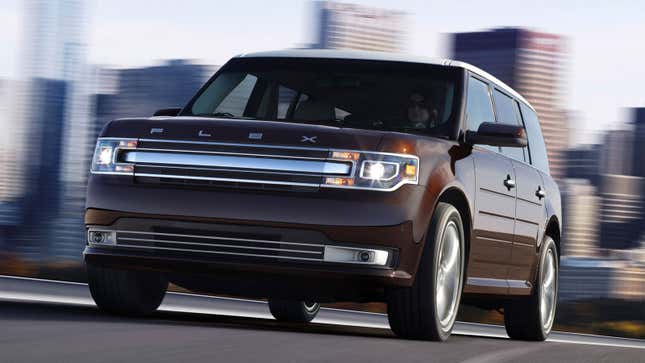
(379, 170)
(375, 171)
(106, 156)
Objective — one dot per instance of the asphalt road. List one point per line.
(57, 322)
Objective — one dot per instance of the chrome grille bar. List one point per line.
(237, 162)
(218, 238)
(224, 253)
(210, 245)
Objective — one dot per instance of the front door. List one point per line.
(494, 223)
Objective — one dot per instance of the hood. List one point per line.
(244, 132)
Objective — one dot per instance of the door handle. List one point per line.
(509, 183)
(540, 193)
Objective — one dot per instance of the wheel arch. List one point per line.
(457, 198)
(552, 230)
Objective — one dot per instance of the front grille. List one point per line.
(219, 243)
(195, 163)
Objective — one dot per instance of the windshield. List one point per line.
(375, 95)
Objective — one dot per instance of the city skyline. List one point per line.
(131, 39)
(526, 60)
(65, 98)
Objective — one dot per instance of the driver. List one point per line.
(419, 113)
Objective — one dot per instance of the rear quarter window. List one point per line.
(537, 149)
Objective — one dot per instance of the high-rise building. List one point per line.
(9, 171)
(638, 121)
(5, 120)
(583, 162)
(51, 124)
(622, 184)
(580, 216)
(621, 211)
(42, 198)
(351, 26)
(532, 63)
(617, 156)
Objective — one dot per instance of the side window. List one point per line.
(508, 113)
(506, 109)
(478, 106)
(537, 148)
(286, 97)
(235, 102)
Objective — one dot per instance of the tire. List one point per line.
(293, 311)
(130, 293)
(415, 312)
(524, 318)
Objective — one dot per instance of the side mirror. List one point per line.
(495, 134)
(168, 112)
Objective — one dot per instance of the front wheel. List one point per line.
(122, 292)
(531, 318)
(293, 311)
(428, 309)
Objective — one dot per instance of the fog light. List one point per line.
(356, 255)
(101, 237)
(97, 237)
(365, 256)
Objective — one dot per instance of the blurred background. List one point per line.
(70, 66)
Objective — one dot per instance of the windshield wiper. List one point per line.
(223, 115)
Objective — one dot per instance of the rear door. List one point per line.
(493, 224)
(529, 208)
(528, 223)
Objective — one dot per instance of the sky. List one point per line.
(604, 65)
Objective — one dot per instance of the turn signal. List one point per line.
(410, 170)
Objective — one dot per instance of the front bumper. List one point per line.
(279, 255)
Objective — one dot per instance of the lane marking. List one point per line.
(506, 355)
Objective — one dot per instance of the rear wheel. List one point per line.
(123, 292)
(531, 318)
(428, 309)
(293, 311)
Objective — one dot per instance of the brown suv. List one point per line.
(310, 176)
